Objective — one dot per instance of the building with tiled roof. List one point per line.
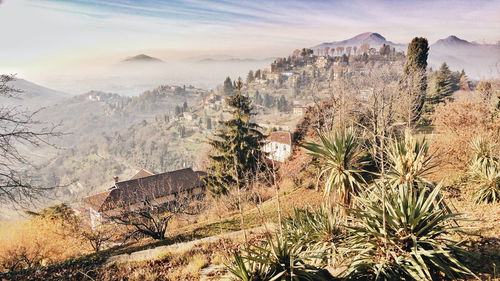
(278, 146)
(145, 186)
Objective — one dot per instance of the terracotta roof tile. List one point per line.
(151, 187)
(281, 137)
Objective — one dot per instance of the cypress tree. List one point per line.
(228, 86)
(413, 83)
(237, 147)
(250, 77)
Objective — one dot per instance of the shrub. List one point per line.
(487, 178)
(276, 259)
(484, 171)
(320, 231)
(408, 242)
(457, 124)
(36, 242)
(341, 159)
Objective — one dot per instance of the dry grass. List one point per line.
(37, 242)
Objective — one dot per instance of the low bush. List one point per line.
(404, 235)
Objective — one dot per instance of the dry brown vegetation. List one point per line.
(37, 242)
(458, 123)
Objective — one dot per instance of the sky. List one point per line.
(39, 35)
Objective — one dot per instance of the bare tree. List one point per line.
(19, 127)
(327, 51)
(380, 92)
(348, 50)
(98, 236)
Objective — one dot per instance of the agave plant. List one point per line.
(413, 244)
(410, 160)
(342, 161)
(276, 259)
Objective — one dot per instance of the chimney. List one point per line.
(115, 179)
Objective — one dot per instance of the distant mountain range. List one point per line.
(142, 58)
(478, 60)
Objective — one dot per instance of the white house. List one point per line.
(279, 146)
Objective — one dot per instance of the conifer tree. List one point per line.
(250, 77)
(237, 147)
(228, 87)
(413, 83)
(442, 85)
(464, 81)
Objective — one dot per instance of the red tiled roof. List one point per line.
(151, 187)
(280, 137)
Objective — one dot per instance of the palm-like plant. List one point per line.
(485, 172)
(342, 161)
(487, 177)
(413, 245)
(320, 231)
(410, 160)
(483, 153)
(276, 259)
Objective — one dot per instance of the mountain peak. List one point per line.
(369, 35)
(373, 39)
(452, 40)
(142, 58)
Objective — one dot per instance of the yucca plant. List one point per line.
(275, 259)
(409, 160)
(414, 244)
(482, 153)
(247, 269)
(485, 172)
(487, 178)
(341, 160)
(320, 231)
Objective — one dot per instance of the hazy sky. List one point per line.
(37, 34)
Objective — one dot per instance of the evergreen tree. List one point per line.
(258, 98)
(258, 74)
(209, 123)
(181, 130)
(413, 84)
(385, 50)
(228, 86)
(268, 100)
(236, 147)
(416, 57)
(178, 110)
(442, 85)
(250, 77)
(464, 81)
(282, 104)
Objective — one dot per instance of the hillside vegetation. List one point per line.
(394, 175)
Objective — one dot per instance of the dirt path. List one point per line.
(158, 252)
